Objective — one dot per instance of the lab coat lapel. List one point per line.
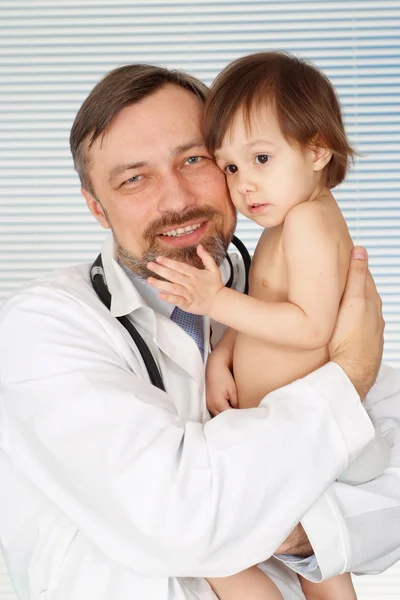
(169, 337)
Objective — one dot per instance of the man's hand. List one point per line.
(296, 543)
(193, 290)
(357, 341)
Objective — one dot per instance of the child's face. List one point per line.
(266, 174)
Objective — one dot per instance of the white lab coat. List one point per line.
(114, 490)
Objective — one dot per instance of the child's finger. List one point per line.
(167, 273)
(223, 404)
(212, 407)
(233, 400)
(217, 405)
(207, 259)
(167, 286)
(176, 300)
(175, 265)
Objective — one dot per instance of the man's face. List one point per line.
(156, 185)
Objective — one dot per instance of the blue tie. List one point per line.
(192, 324)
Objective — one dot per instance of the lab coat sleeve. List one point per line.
(157, 495)
(357, 528)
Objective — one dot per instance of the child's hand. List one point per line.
(193, 290)
(220, 388)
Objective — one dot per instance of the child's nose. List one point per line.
(245, 186)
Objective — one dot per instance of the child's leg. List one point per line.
(251, 583)
(335, 588)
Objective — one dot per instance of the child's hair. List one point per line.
(305, 102)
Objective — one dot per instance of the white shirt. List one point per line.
(112, 489)
(148, 293)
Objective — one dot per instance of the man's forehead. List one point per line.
(163, 102)
(157, 117)
(164, 124)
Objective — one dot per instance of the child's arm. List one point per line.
(223, 351)
(305, 321)
(220, 385)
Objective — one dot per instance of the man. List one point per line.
(114, 489)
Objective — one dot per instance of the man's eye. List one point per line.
(193, 160)
(261, 159)
(230, 169)
(133, 179)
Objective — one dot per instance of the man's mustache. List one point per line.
(175, 219)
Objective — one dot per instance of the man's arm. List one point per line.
(361, 524)
(161, 495)
(297, 543)
(357, 341)
(224, 348)
(355, 528)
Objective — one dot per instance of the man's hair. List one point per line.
(304, 100)
(120, 88)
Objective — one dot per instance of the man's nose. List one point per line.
(176, 194)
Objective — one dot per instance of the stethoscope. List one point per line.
(101, 289)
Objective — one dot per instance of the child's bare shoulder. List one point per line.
(318, 219)
(314, 225)
(309, 215)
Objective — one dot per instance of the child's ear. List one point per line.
(321, 155)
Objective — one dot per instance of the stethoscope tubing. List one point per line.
(101, 289)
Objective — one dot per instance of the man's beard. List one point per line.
(216, 242)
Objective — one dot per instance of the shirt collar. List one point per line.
(149, 293)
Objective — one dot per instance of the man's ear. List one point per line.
(321, 155)
(95, 208)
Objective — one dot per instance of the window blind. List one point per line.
(52, 53)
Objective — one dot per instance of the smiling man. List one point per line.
(114, 489)
(151, 178)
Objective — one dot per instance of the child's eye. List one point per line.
(261, 159)
(230, 169)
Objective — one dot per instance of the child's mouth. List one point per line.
(256, 208)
